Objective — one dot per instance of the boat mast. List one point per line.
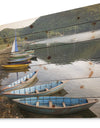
(14, 46)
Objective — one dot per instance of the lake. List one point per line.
(77, 62)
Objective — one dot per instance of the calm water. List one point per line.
(80, 63)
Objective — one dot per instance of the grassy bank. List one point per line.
(8, 109)
(4, 46)
(4, 54)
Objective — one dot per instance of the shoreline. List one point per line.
(4, 54)
(8, 109)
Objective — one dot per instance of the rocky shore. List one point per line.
(8, 109)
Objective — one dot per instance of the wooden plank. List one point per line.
(64, 105)
(37, 104)
(50, 104)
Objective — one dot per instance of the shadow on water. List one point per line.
(81, 114)
(18, 70)
(61, 53)
(3, 74)
(60, 93)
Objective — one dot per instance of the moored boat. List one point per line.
(54, 105)
(39, 90)
(18, 57)
(15, 66)
(21, 83)
(19, 60)
(23, 62)
(15, 53)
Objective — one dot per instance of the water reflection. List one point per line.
(82, 114)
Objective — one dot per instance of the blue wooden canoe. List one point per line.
(39, 90)
(20, 83)
(54, 105)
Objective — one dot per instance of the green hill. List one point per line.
(62, 23)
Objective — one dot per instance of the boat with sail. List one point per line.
(15, 53)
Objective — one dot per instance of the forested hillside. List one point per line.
(58, 24)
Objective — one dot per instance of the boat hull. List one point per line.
(15, 66)
(19, 55)
(57, 111)
(23, 62)
(16, 54)
(20, 60)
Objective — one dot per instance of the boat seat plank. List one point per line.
(37, 104)
(64, 105)
(50, 104)
(36, 91)
(46, 89)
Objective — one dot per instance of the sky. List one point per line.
(12, 11)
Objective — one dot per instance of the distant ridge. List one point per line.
(87, 18)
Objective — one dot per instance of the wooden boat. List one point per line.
(21, 83)
(23, 62)
(39, 90)
(20, 60)
(16, 54)
(54, 105)
(18, 57)
(15, 66)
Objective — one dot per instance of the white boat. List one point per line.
(14, 46)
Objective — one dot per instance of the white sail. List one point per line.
(13, 47)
